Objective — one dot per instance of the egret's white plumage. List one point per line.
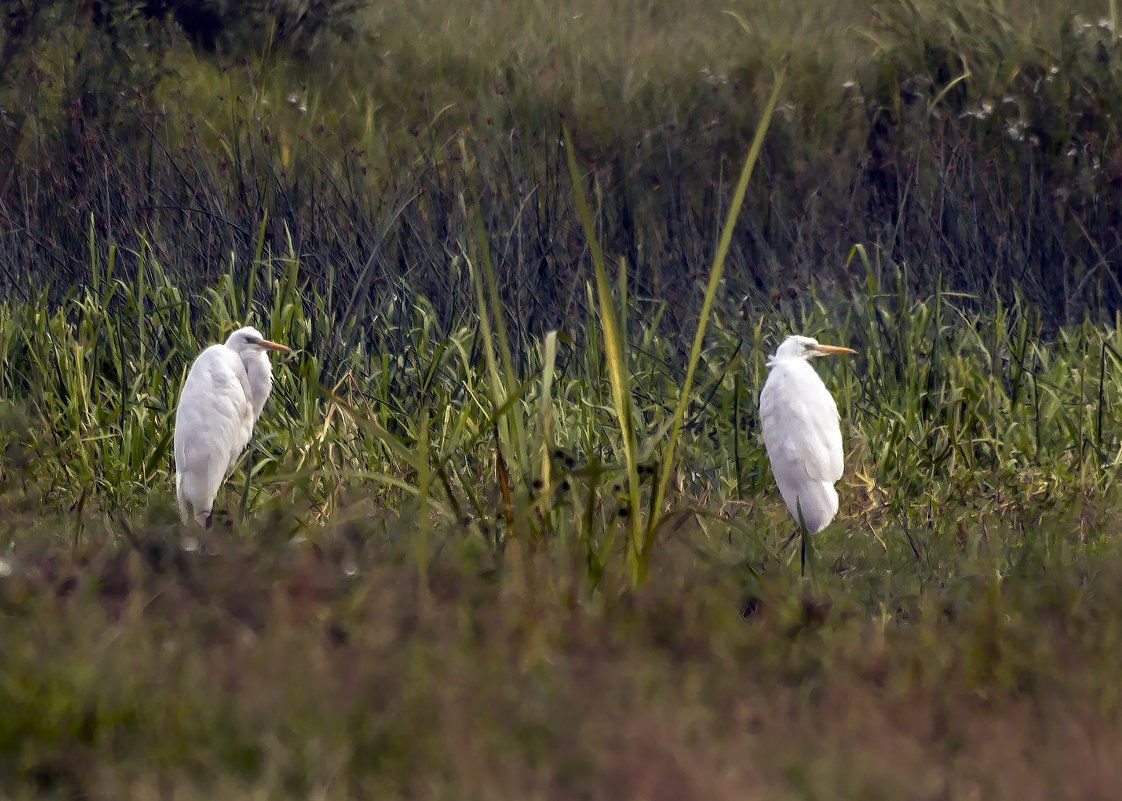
(225, 391)
(802, 433)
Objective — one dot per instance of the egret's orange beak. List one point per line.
(830, 350)
(264, 343)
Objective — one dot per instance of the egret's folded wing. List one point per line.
(800, 425)
(823, 432)
(214, 418)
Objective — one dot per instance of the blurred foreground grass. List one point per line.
(248, 665)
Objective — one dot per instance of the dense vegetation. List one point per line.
(467, 557)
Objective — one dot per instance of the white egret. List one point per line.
(225, 391)
(802, 433)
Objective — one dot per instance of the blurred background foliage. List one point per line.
(976, 144)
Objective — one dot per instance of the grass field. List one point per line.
(506, 528)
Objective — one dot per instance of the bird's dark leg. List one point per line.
(804, 535)
(209, 519)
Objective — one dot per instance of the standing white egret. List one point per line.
(222, 398)
(802, 433)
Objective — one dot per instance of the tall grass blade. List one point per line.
(549, 360)
(498, 324)
(615, 348)
(422, 527)
(707, 304)
(504, 480)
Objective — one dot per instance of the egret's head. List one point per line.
(250, 339)
(796, 347)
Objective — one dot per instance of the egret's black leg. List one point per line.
(804, 535)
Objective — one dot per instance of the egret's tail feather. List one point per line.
(194, 501)
(817, 502)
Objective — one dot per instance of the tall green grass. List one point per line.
(951, 416)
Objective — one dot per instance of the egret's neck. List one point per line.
(775, 361)
(259, 370)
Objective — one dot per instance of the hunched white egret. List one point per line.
(802, 433)
(225, 391)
